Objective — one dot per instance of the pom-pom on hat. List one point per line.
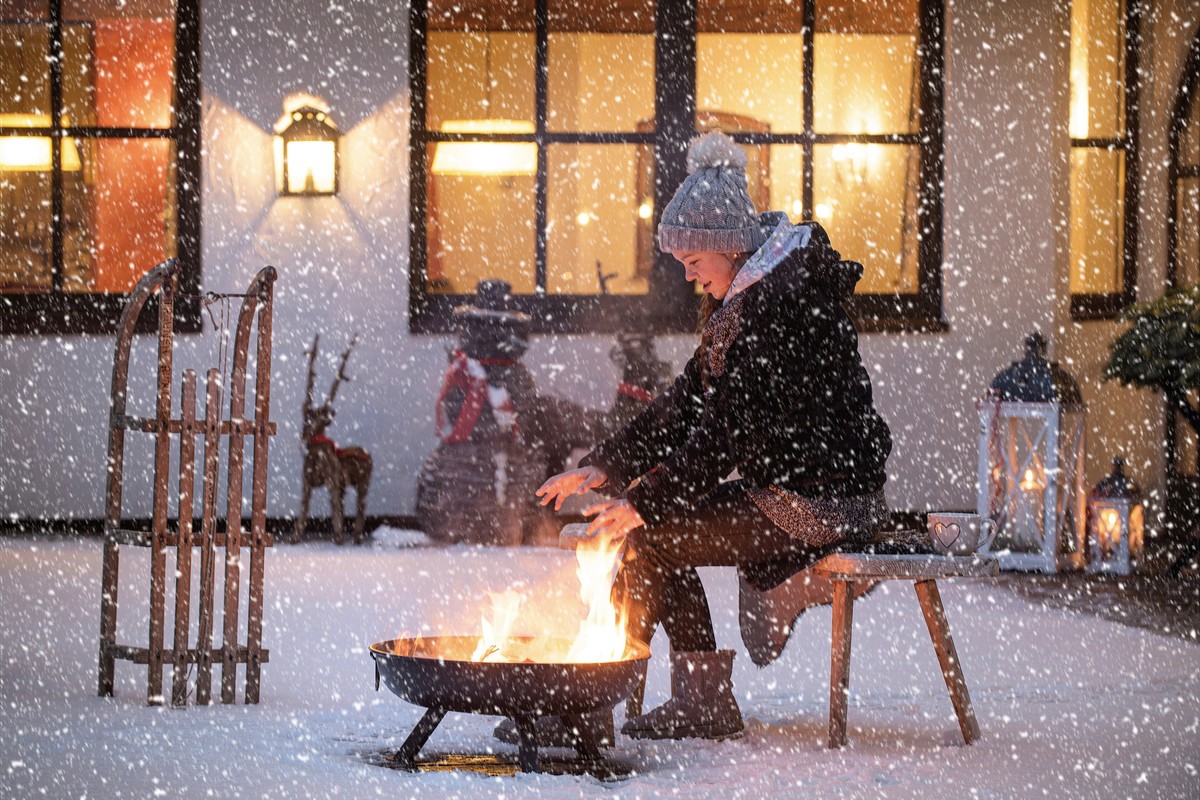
(712, 211)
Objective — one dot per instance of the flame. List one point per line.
(495, 643)
(601, 637)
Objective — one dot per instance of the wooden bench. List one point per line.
(845, 569)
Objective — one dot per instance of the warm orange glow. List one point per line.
(32, 153)
(1109, 530)
(601, 637)
(1030, 482)
(485, 158)
(496, 643)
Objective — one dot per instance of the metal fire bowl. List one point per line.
(439, 674)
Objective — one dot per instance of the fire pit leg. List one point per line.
(582, 737)
(527, 755)
(406, 756)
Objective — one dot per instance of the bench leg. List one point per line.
(839, 667)
(939, 632)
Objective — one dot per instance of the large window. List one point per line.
(548, 134)
(1103, 130)
(99, 157)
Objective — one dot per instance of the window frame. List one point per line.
(669, 305)
(74, 313)
(1106, 306)
(1185, 99)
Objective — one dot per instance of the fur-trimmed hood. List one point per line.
(812, 263)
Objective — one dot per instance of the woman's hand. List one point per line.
(574, 481)
(614, 520)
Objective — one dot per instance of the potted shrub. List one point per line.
(1161, 351)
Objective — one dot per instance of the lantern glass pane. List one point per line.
(1034, 478)
(312, 167)
(1137, 525)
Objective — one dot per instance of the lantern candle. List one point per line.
(1115, 524)
(1027, 519)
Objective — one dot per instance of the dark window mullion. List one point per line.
(1133, 46)
(57, 204)
(541, 80)
(808, 37)
(418, 298)
(930, 44)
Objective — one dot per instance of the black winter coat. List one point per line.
(792, 407)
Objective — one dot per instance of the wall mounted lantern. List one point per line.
(306, 153)
(1115, 523)
(1031, 458)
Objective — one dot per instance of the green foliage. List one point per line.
(1161, 350)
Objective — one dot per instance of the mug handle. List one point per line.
(993, 529)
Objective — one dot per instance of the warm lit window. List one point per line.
(94, 147)
(1103, 131)
(548, 136)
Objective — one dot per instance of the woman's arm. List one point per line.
(654, 434)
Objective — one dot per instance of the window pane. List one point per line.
(120, 213)
(779, 179)
(25, 239)
(1097, 69)
(866, 197)
(480, 75)
(601, 66)
(749, 62)
(118, 63)
(599, 210)
(1187, 234)
(24, 76)
(478, 224)
(1097, 220)
(866, 75)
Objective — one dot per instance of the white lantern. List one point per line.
(1031, 457)
(1115, 523)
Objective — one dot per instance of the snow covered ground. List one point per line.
(1070, 706)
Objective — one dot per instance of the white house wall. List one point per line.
(343, 266)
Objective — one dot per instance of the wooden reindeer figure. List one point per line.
(326, 464)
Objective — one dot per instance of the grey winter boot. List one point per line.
(552, 731)
(702, 704)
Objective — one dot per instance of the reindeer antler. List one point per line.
(312, 373)
(341, 373)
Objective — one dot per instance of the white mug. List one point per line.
(960, 534)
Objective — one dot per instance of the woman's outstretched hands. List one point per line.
(614, 519)
(573, 481)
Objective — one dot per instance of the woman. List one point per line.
(777, 391)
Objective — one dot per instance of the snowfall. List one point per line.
(1070, 706)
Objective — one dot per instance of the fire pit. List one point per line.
(440, 674)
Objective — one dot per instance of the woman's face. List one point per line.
(712, 272)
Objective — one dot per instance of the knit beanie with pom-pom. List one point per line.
(711, 211)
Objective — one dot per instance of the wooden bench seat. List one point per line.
(845, 569)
